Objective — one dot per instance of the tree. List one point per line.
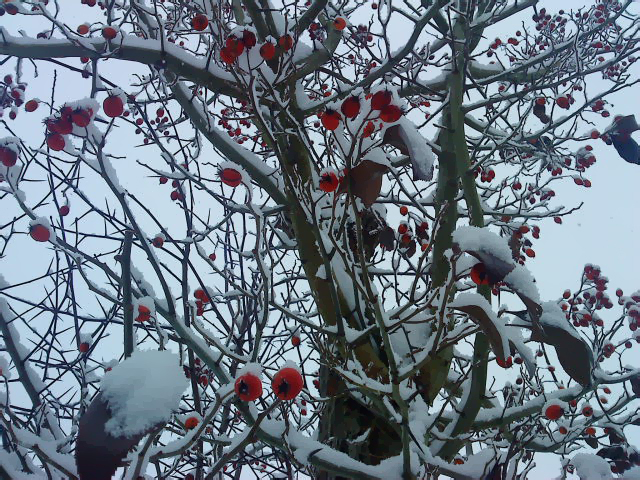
(344, 188)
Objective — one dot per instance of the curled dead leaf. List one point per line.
(405, 137)
(365, 180)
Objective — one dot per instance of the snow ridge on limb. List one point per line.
(268, 178)
(140, 50)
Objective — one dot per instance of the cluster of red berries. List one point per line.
(175, 194)
(11, 96)
(234, 46)
(361, 35)
(350, 108)
(544, 21)
(158, 123)
(63, 123)
(286, 384)
(202, 298)
(203, 375)
(486, 174)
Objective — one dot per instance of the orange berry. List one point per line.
(339, 23)
(191, 423)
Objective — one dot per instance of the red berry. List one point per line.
(479, 274)
(331, 119)
(268, 51)
(31, 105)
(541, 100)
(287, 383)
(158, 242)
(84, 347)
(562, 430)
(249, 39)
(81, 118)
(339, 23)
(402, 228)
(113, 106)
(507, 363)
(144, 313)
(587, 411)
(234, 46)
(231, 177)
(191, 423)
(404, 210)
(64, 210)
(248, 387)
(558, 220)
(163, 180)
(562, 102)
(212, 256)
(8, 156)
(61, 125)
(380, 100)
(368, 129)
(56, 142)
(350, 107)
(390, 113)
(109, 33)
(199, 22)
(295, 341)
(530, 252)
(39, 233)
(83, 29)
(227, 56)
(328, 182)
(554, 412)
(286, 42)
